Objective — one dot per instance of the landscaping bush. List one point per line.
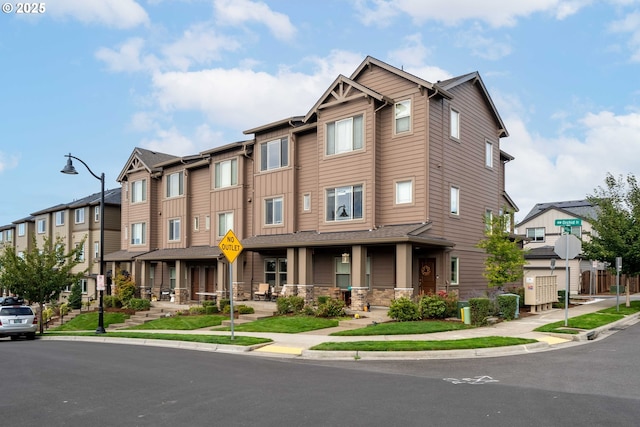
(240, 309)
(125, 288)
(139, 304)
(224, 302)
(518, 290)
(322, 299)
(404, 310)
(288, 305)
(111, 301)
(64, 309)
(196, 309)
(210, 309)
(209, 303)
(507, 304)
(432, 307)
(75, 297)
(561, 299)
(331, 308)
(308, 310)
(481, 309)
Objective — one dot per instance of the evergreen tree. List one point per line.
(75, 298)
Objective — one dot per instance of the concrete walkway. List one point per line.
(298, 345)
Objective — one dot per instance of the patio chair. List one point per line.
(276, 292)
(263, 291)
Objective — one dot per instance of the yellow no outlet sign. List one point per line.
(230, 246)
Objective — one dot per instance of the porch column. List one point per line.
(404, 258)
(181, 291)
(358, 277)
(238, 283)
(143, 279)
(222, 282)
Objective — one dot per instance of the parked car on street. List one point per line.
(17, 319)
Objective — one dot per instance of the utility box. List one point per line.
(540, 292)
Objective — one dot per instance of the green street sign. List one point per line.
(573, 222)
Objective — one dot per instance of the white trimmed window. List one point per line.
(404, 192)
(60, 218)
(175, 184)
(488, 220)
(226, 173)
(174, 229)
(225, 223)
(139, 191)
(274, 154)
(455, 124)
(402, 112)
(22, 229)
(96, 214)
(306, 202)
(345, 135)
(42, 226)
(79, 214)
(488, 154)
(455, 269)
(196, 223)
(455, 201)
(344, 203)
(275, 271)
(138, 233)
(273, 211)
(342, 273)
(96, 250)
(536, 234)
(80, 254)
(207, 222)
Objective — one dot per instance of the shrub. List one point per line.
(111, 301)
(404, 310)
(209, 303)
(518, 290)
(432, 307)
(507, 304)
(75, 297)
(211, 309)
(481, 309)
(331, 308)
(322, 299)
(125, 287)
(139, 304)
(291, 304)
(196, 309)
(64, 309)
(309, 310)
(224, 302)
(244, 309)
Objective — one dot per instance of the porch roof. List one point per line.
(123, 255)
(193, 252)
(409, 233)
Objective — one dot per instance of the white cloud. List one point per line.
(170, 141)
(8, 161)
(236, 12)
(481, 45)
(111, 13)
(497, 13)
(128, 57)
(198, 45)
(630, 24)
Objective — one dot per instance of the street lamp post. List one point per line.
(69, 169)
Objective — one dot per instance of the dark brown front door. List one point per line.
(427, 276)
(195, 283)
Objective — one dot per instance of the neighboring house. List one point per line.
(540, 235)
(7, 239)
(74, 222)
(379, 191)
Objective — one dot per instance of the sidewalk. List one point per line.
(298, 345)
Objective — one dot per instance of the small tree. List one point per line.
(40, 274)
(505, 259)
(125, 287)
(75, 297)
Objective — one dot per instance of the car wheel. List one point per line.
(31, 336)
(14, 337)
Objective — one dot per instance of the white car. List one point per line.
(17, 319)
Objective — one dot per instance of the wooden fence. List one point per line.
(606, 281)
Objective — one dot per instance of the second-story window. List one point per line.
(96, 213)
(96, 250)
(274, 154)
(174, 229)
(225, 223)
(402, 111)
(344, 203)
(454, 201)
(138, 233)
(79, 214)
(42, 226)
(345, 135)
(60, 218)
(404, 192)
(22, 229)
(536, 234)
(273, 211)
(488, 154)
(226, 173)
(139, 191)
(175, 184)
(455, 124)
(80, 253)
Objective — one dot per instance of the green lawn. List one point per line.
(285, 324)
(404, 328)
(462, 344)
(89, 321)
(584, 322)
(206, 339)
(182, 323)
(623, 309)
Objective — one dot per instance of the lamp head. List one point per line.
(69, 169)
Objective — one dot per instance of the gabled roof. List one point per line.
(580, 208)
(111, 197)
(143, 159)
(30, 218)
(475, 77)
(341, 91)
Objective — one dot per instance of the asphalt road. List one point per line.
(58, 383)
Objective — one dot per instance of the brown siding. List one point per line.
(199, 204)
(307, 180)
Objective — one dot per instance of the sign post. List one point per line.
(231, 247)
(571, 248)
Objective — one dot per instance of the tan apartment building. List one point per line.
(379, 191)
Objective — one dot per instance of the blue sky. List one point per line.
(98, 78)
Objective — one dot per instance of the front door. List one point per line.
(427, 276)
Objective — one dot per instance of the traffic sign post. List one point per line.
(231, 247)
(570, 247)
